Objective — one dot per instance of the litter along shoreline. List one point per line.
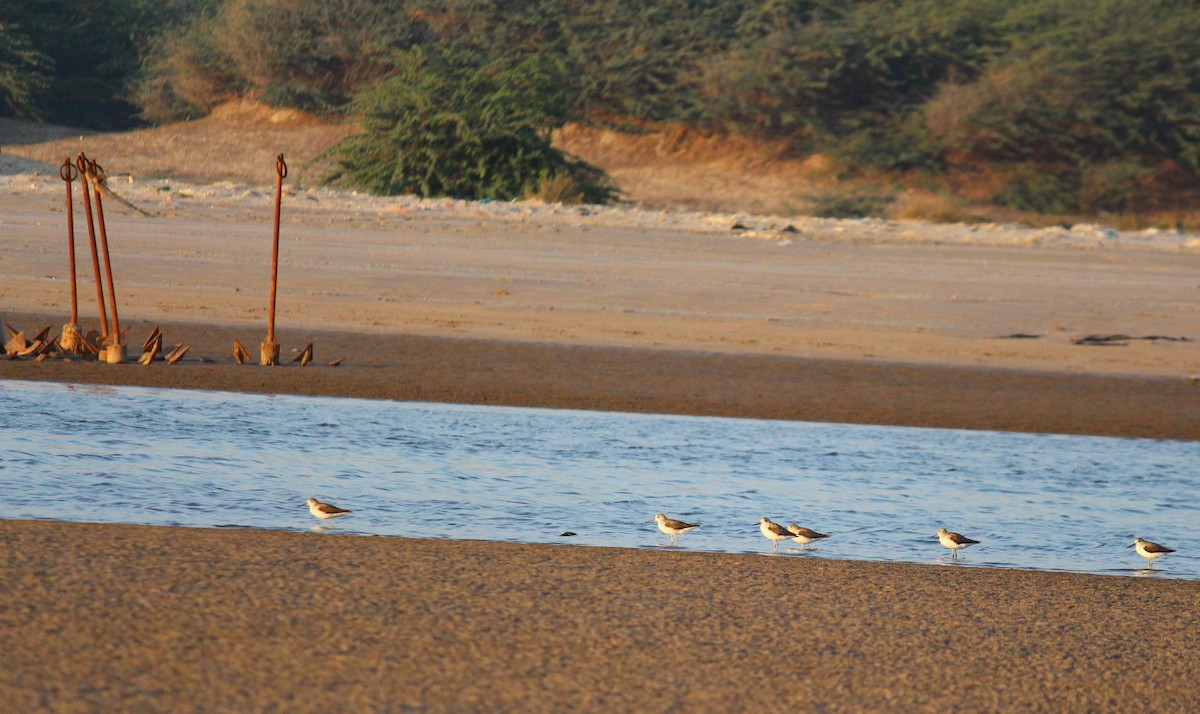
(557, 376)
(139, 617)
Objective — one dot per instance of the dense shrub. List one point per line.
(440, 128)
(23, 73)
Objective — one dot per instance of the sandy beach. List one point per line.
(978, 327)
(129, 618)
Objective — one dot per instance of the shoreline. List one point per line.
(556, 376)
(249, 620)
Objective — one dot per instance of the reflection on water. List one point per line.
(166, 457)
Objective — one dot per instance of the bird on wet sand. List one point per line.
(773, 531)
(673, 528)
(954, 541)
(1149, 550)
(804, 536)
(324, 511)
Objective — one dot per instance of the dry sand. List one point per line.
(862, 321)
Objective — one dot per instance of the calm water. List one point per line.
(164, 457)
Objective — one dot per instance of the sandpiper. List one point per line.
(954, 541)
(1149, 550)
(324, 511)
(773, 531)
(804, 536)
(673, 528)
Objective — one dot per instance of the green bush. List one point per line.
(23, 73)
(440, 128)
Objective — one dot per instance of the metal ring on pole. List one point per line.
(68, 171)
(281, 167)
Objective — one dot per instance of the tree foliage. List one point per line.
(1075, 105)
(444, 128)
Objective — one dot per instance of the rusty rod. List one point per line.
(84, 165)
(69, 173)
(280, 174)
(112, 294)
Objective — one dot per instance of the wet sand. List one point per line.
(473, 371)
(133, 618)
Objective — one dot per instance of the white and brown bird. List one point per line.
(954, 541)
(1149, 550)
(773, 531)
(804, 536)
(673, 528)
(325, 511)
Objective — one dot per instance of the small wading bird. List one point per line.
(954, 541)
(325, 511)
(1149, 550)
(673, 528)
(804, 536)
(773, 531)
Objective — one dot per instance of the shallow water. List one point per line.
(167, 457)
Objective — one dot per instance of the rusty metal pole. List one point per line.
(269, 349)
(116, 350)
(84, 165)
(70, 340)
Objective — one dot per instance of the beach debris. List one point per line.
(177, 354)
(1018, 336)
(155, 336)
(568, 534)
(269, 349)
(239, 353)
(15, 343)
(1123, 340)
(305, 355)
(18, 346)
(337, 362)
(151, 347)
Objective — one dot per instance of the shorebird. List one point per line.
(954, 541)
(1149, 550)
(804, 536)
(673, 528)
(773, 531)
(324, 511)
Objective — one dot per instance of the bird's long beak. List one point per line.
(1131, 545)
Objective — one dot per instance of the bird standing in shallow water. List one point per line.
(673, 528)
(772, 530)
(954, 541)
(1149, 550)
(325, 511)
(804, 536)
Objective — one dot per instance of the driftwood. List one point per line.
(239, 353)
(155, 335)
(152, 347)
(305, 355)
(178, 353)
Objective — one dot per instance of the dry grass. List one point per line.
(931, 208)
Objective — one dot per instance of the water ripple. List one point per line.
(166, 457)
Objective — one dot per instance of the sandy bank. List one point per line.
(103, 617)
